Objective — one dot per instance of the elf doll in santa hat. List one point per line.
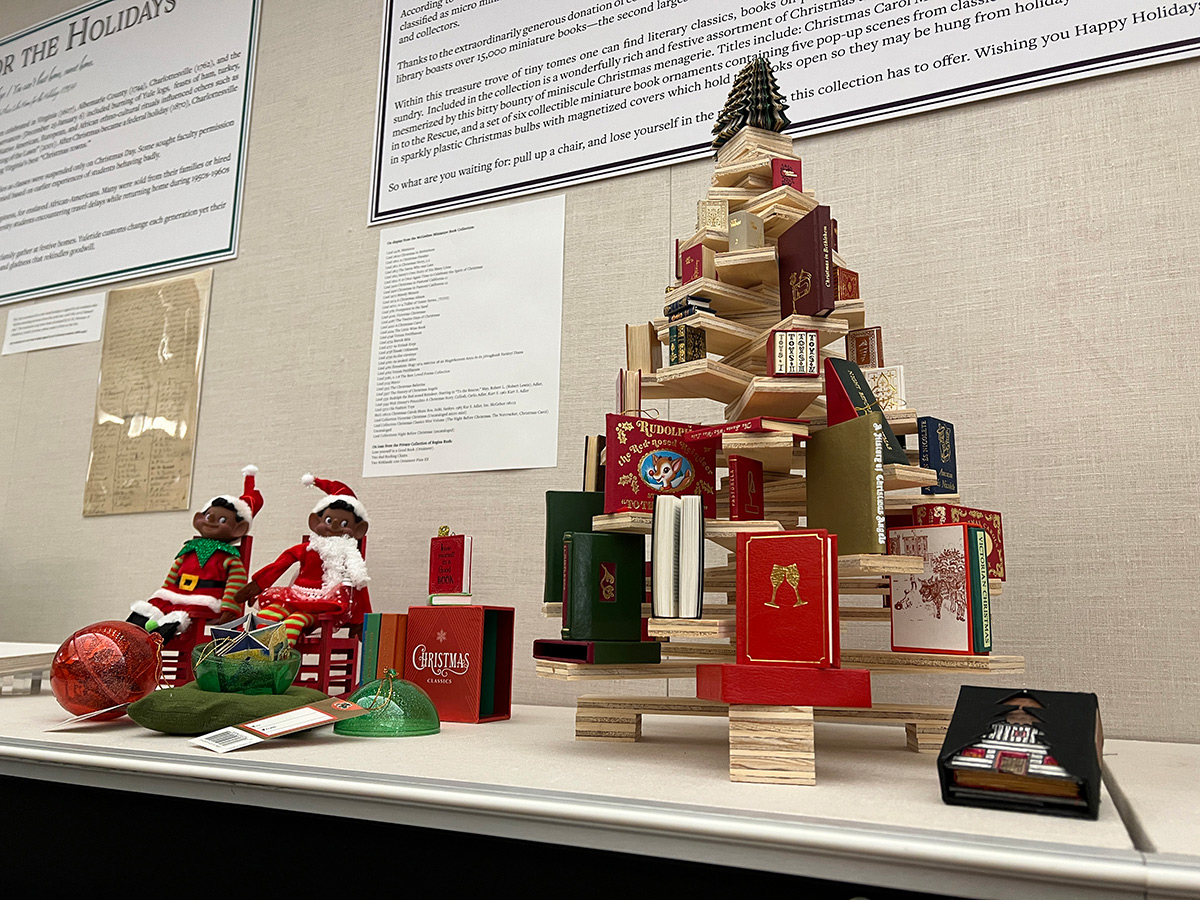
(332, 576)
(208, 571)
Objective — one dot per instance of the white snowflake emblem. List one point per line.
(441, 636)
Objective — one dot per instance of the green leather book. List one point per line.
(605, 575)
(565, 511)
(599, 653)
(981, 599)
(370, 647)
(844, 476)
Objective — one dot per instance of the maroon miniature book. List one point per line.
(989, 521)
(697, 262)
(864, 347)
(847, 284)
(786, 172)
(450, 564)
(745, 489)
(807, 285)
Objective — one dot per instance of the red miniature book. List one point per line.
(793, 352)
(864, 347)
(461, 656)
(697, 262)
(648, 457)
(787, 599)
(786, 172)
(807, 285)
(450, 564)
(745, 489)
(948, 514)
(847, 284)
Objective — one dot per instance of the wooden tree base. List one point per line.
(772, 745)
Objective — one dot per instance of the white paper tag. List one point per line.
(226, 739)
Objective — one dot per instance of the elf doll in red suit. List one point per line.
(332, 576)
(208, 572)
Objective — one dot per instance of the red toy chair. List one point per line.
(177, 656)
(329, 653)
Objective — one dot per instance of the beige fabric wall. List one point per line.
(1030, 259)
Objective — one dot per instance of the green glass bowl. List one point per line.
(221, 675)
(398, 709)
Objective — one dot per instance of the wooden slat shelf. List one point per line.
(860, 565)
(776, 451)
(722, 336)
(727, 299)
(715, 240)
(780, 199)
(853, 312)
(717, 651)
(881, 661)
(897, 477)
(703, 378)
(706, 627)
(570, 671)
(694, 706)
(735, 196)
(895, 661)
(714, 529)
(864, 613)
(727, 176)
(903, 421)
(784, 398)
(752, 356)
(748, 268)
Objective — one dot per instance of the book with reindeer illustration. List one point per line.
(787, 599)
(946, 608)
(649, 457)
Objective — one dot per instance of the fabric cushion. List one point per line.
(189, 710)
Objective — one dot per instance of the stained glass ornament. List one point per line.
(399, 708)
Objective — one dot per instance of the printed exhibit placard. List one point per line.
(122, 140)
(465, 354)
(488, 99)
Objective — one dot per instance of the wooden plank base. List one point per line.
(925, 737)
(772, 745)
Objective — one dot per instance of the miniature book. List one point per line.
(864, 347)
(844, 474)
(847, 395)
(745, 488)
(946, 608)
(449, 563)
(686, 344)
(643, 350)
(745, 231)
(698, 262)
(604, 577)
(565, 511)
(687, 304)
(989, 521)
(629, 392)
(935, 444)
(677, 558)
(793, 352)
(1030, 750)
(847, 281)
(887, 384)
(786, 172)
(462, 658)
(450, 600)
(787, 599)
(712, 215)
(593, 462)
(806, 282)
(756, 425)
(648, 457)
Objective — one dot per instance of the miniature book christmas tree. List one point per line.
(802, 426)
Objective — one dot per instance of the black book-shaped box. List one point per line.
(1030, 750)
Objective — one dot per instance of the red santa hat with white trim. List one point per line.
(334, 490)
(251, 501)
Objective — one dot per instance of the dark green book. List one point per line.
(565, 511)
(844, 478)
(981, 600)
(605, 577)
(599, 653)
(370, 647)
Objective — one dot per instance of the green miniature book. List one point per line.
(566, 511)
(605, 578)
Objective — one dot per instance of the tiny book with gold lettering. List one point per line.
(698, 262)
(864, 347)
(887, 384)
(745, 489)
(745, 231)
(786, 172)
(793, 352)
(712, 215)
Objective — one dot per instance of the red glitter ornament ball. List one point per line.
(105, 665)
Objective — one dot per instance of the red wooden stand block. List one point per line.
(783, 685)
